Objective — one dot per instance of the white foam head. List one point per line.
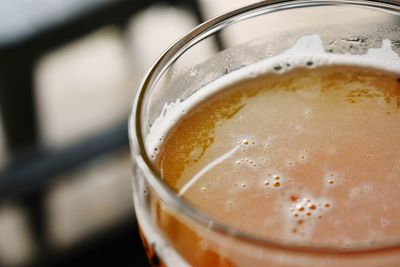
(308, 51)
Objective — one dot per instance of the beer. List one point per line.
(300, 151)
(309, 155)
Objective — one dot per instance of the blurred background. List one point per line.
(68, 72)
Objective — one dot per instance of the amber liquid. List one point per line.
(311, 156)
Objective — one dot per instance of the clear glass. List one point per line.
(175, 233)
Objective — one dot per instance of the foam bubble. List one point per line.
(308, 114)
(331, 178)
(303, 156)
(304, 212)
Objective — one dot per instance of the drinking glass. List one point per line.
(174, 232)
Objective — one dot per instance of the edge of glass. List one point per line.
(143, 162)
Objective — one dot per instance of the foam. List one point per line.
(308, 51)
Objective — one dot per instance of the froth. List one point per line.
(308, 51)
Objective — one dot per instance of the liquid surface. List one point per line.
(311, 155)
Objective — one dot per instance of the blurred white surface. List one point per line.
(83, 88)
(234, 35)
(152, 31)
(90, 199)
(213, 8)
(16, 245)
(276, 22)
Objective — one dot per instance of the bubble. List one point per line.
(308, 114)
(367, 188)
(277, 184)
(267, 161)
(303, 156)
(290, 163)
(306, 210)
(331, 178)
(327, 205)
(299, 206)
(294, 198)
(312, 207)
(266, 183)
(299, 128)
(332, 150)
(244, 185)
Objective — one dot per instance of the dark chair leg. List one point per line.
(17, 105)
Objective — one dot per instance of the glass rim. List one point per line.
(166, 194)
